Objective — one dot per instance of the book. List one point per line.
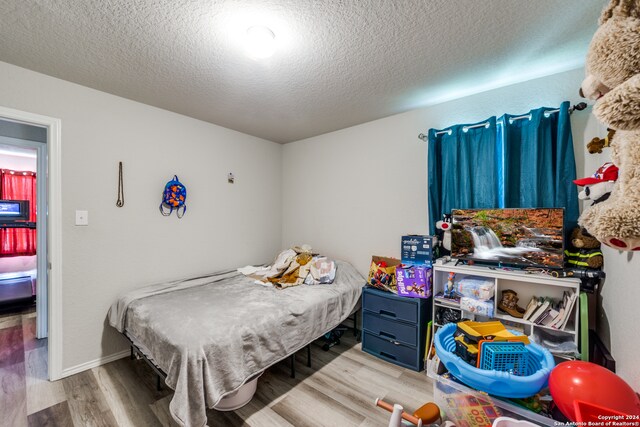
(533, 304)
(569, 309)
(534, 308)
(543, 316)
(540, 311)
(551, 316)
(568, 301)
(561, 314)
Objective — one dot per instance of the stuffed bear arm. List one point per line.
(620, 108)
(596, 261)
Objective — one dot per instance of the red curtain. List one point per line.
(18, 185)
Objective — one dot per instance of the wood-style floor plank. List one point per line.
(127, 398)
(57, 415)
(29, 333)
(87, 404)
(41, 393)
(160, 409)
(305, 406)
(13, 395)
(11, 346)
(256, 414)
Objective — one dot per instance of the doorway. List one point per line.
(23, 239)
(28, 140)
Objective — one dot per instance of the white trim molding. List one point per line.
(54, 227)
(94, 363)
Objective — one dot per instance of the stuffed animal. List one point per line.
(613, 80)
(598, 187)
(597, 144)
(585, 251)
(445, 227)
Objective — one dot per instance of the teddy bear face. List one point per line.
(613, 66)
(582, 241)
(612, 57)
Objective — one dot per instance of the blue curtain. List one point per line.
(507, 163)
(462, 164)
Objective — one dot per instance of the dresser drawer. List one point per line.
(391, 351)
(390, 306)
(390, 329)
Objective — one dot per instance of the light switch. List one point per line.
(82, 217)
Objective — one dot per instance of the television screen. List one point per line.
(520, 237)
(14, 210)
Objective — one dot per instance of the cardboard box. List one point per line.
(417, 249)
(383, 277)
(413, 281)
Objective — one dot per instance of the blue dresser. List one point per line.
(394, 328)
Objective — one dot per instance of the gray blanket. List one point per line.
(212, 334)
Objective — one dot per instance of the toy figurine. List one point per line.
(449, 293)
(445, 235)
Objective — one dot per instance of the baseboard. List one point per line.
(94, 363)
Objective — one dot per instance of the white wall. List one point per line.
(352, 193)
(18, 163)
(122, 248)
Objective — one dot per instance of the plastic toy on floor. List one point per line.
(584, 390)
(332, 338)
(427, 414)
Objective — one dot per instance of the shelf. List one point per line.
(565, 331)
(455, 305)
(526, 322)
(526, 285)
(508, 274)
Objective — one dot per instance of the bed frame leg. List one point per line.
(158, 383)
(309, 355)
(355, 324)
(132, 356)
(293, 365)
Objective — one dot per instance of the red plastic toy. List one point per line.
(592, 384)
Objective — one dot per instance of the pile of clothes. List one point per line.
(294, 267)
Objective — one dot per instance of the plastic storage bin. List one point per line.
(468, 407)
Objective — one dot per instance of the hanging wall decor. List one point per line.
(174, 197)
(120, 201)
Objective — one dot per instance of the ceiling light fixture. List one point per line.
(260, 42)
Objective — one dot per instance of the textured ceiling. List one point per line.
(338, 63)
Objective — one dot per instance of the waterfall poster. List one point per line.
(524, 237)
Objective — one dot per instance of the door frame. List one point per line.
(53, 228)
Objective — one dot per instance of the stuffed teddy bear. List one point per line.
(598, 187)
(613, 80)
(585, 251)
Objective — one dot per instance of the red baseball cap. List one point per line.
(606, 172)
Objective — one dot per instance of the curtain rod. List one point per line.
(580, 106)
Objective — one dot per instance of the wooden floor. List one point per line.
(338, 390)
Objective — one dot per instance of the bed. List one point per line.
(212, 334)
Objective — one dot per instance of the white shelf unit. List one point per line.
(527, 285)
